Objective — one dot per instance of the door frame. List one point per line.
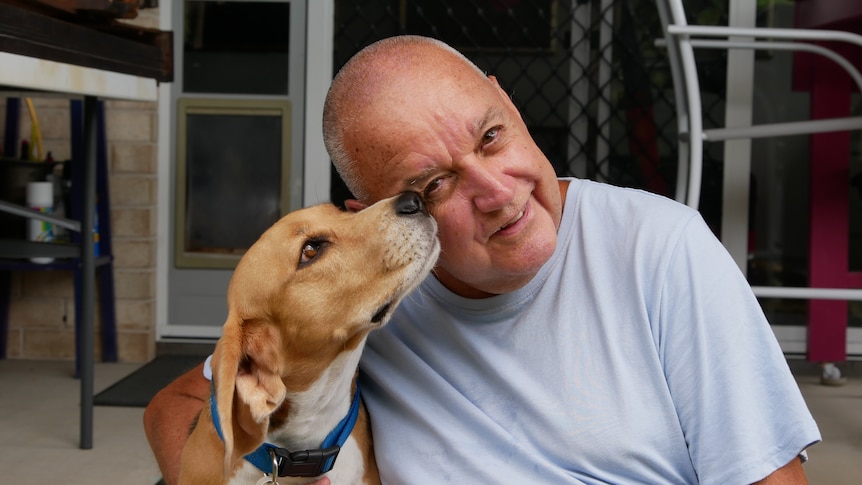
(317, 19)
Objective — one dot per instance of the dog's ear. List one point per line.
(248, 387)
(354, 205)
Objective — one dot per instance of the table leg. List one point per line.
(88, 258)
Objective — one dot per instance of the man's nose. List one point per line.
(491, 188)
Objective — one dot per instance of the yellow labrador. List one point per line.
(300, 305)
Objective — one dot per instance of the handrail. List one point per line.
(788, 128)
(687, 37)
(787, 46)
(20, 210)
(804, 293)
(766, 33)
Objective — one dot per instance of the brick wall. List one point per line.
(42, 312)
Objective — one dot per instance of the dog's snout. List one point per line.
(409, 203)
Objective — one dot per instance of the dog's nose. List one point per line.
(409, 203)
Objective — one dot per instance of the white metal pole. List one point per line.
(603, 117)
(579, 47)
(737, 153)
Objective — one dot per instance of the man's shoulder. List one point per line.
(631, 206)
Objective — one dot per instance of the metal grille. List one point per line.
(593, 88)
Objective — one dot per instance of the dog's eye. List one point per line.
(310, 251)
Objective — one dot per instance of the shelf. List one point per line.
(15, 248)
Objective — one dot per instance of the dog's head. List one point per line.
(311, 287)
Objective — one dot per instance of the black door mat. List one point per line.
(139, 387)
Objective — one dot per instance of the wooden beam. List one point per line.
(124, 9)
(105, 45)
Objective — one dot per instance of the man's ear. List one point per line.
(354, 205)
(247, 387)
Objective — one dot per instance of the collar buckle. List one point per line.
(307, 463)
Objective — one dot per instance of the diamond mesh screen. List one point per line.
(593, 88)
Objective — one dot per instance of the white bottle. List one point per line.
(40, 197)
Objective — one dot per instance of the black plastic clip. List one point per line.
(308, 463)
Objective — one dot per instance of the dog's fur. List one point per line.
(300, 305)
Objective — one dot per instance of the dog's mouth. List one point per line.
(412, 253)
(381, 313)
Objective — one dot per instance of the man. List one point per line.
(572, 332)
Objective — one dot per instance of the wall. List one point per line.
(42, 312)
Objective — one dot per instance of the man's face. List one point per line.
(460, 142)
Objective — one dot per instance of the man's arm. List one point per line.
(790, 474)
(169, 417)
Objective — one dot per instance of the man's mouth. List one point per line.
(512, 222)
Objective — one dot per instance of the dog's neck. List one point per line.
(313, 413)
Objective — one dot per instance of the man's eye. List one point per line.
(490, 135)
(430, 188)
(435, 189)
(310, 251)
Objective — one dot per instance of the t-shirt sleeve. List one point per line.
(742, 413)
(208, 368)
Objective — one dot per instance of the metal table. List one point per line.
(126, 70)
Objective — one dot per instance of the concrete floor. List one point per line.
(39, 429)
(39, 417)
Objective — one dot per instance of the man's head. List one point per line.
(410, 113)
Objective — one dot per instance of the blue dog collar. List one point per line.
(307, 463)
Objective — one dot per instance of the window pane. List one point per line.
(228, 158)
(236, 47)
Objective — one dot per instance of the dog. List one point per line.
(301, 303)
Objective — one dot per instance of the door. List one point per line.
(236, 121)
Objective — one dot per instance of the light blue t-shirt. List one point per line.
(638, 354)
